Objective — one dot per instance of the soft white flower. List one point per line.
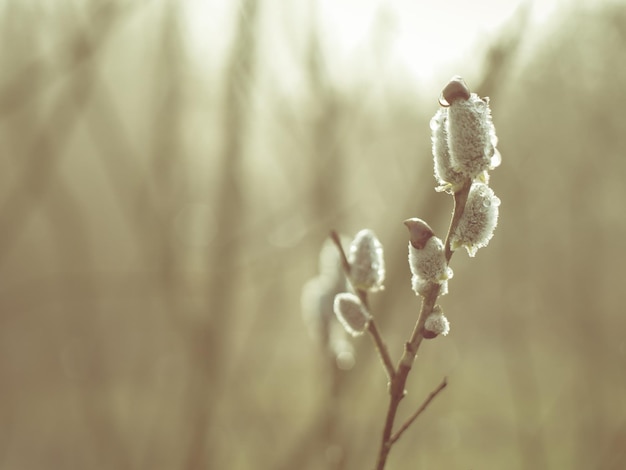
(427, 258)
(430, 263)
(367, 264)
(351, 313)
(422, 287)
(479, 219)
(437, 323)
(448, 178)
(471, 136)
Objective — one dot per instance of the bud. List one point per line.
(419, 232)
(367, 265)
(427, 258)
(471, 136)
(436, 324)
(456, 89)
(422, 287)
(447, 177)
(351, 313)
(479, 219)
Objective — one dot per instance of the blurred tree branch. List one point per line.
(209, 341)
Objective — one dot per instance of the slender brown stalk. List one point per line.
(460, 199)
(334, 236)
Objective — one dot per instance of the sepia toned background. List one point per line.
(169, 171)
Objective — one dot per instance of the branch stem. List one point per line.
(334, 236)
(460, 199)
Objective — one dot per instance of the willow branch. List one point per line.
(381, 347)
(334, 236)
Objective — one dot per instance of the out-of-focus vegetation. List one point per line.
(160, 210)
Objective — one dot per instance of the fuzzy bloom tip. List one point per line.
(367, 263)
(479, 219)
(428, 265)
(471, 136)
(351, 313)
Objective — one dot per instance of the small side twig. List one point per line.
(419, 411)
(381, 347)
(334, 236)
(460, 199)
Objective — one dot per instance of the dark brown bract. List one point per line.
(455, 89)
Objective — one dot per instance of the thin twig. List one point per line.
(419, 411)
(334, 236)
(381, 347)
(460, 199)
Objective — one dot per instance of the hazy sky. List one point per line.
(422, 40)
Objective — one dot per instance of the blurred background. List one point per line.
(171, 169)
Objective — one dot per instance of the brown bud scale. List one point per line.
(455, 89)
(427, 334)
(419, 232)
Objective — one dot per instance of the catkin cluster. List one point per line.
(331, 304)
(464, 149)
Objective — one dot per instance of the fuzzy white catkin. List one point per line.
(479, 219)
(351, 313)
(437, 323)
(471, 136)
(367, 263)
(447, 177)
(422, 287)
(428, 265)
